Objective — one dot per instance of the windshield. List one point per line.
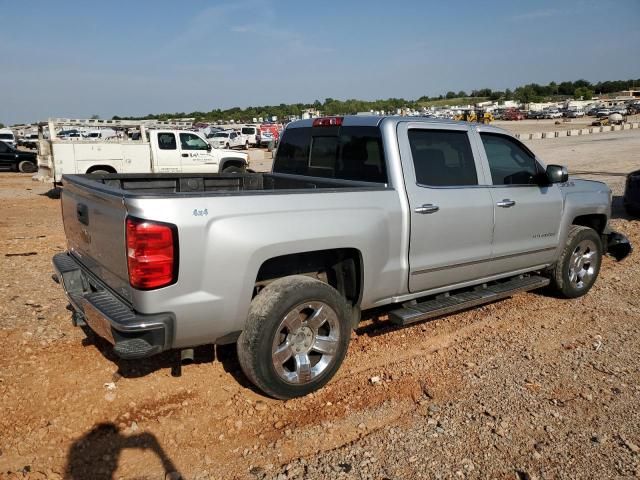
(220, 134)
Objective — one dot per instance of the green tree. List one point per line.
(1, 125)
(583, 93)
(451, 94)
(462, 93)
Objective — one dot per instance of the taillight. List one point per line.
(327, 122)
(151, 254)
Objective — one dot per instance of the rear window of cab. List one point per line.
(347, 153)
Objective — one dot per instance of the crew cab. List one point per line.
(420, 216)
(161, 151)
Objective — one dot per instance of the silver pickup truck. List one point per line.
(425, 216)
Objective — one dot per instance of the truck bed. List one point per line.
(135, 185)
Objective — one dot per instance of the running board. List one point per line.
(463, 299)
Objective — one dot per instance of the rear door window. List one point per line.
(167, 141)
(442, 158)
(347, 153)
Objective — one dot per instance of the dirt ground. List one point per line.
(530, 387)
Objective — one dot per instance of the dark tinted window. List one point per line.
(166, 141)
(4, 148)
(348, 153)
(442, 158)
(510, 163)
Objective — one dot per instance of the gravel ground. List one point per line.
(529, 387)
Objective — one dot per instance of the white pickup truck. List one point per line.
(161, 151)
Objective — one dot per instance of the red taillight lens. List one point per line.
(150, 254)
(327, 122)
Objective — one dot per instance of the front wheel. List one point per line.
(27, 166)
(579, 263)
(233, 169)
(295, 338)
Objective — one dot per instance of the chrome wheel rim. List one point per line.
(306, 342)
(583, 264)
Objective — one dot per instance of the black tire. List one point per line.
(27, 166)
(631, 210)
(581, 242)
(264, 329)
(233, 169)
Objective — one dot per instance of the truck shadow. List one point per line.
(142, 367)
(225, 354)
(96, 454)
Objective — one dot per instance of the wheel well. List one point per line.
(106, 168)
(231, 162)
(595, 221)
(341, 268)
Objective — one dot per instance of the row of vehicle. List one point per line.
(245, 137)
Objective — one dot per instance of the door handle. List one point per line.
(427, 208)
(185, 154)
(506, 203)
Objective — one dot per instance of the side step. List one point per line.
(463, 299)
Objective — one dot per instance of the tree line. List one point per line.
(532, 92)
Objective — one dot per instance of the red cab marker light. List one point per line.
(327, 122)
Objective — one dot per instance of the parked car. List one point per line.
(30, 141)
(282, 263)
(226, 139)
(575, 113)
(513, 114)
(7, 136)
(552, 113)
(603, 112)
(251, 135)
(17, 161)
(631, 198)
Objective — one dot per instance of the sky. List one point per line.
(78, 58)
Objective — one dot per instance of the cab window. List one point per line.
(510, 162)
(166, 141)
(442, 158)
(189, 141)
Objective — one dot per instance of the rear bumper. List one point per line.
(132, 334)
(617, 245)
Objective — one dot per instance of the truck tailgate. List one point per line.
(94, 224)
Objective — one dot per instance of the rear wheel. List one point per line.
(295, 338)
(99, 172)
(579, 263)
(27, 166)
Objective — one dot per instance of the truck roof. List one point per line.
(377, 120)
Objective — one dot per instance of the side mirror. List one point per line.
(557, 174)
(208, 147)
